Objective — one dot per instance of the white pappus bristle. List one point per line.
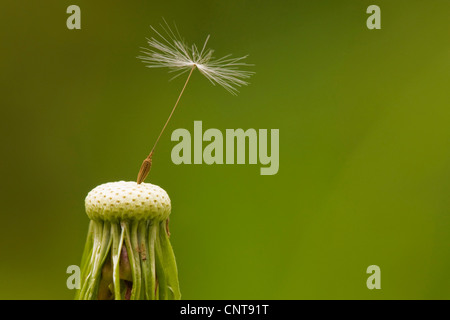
(169, 50)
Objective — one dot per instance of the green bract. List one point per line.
(128, 254)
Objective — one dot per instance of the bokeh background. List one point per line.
(364, 144)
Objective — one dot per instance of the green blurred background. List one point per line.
(364, 144)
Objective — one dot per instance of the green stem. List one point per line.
(115, 253)
(101, 246)
(87, 253)
(159, 264)
(96, 241)
(137, 262)
(151, 260)
(133, 257)
(147, 278)
(100, 259)
(170, 264)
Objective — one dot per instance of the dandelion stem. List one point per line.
(147, 163)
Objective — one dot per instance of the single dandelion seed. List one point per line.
(168, 49)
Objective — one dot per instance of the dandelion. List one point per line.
(169, 50)
(128, 255)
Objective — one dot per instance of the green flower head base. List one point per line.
(128, 255)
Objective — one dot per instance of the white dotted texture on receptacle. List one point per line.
(127, 200)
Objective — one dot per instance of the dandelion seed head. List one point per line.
(168, 49)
